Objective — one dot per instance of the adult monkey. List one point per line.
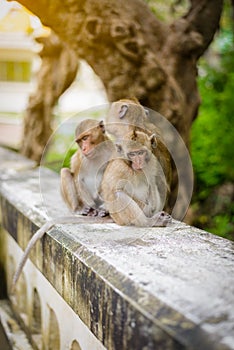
(130, 188)
(80, 184)
(126, 115)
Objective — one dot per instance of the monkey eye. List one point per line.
(85, 138)
(141, 152)
(131, 154)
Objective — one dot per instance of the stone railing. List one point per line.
(96, 285)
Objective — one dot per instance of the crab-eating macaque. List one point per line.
(80, 184)
(129, 186)
(126, 115)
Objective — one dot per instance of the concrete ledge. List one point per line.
(134, 288)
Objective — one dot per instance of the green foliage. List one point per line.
(223, 226)
(67, 159)
(60, 149)
(212, 133)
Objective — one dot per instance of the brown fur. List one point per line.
(136, 119)
(131, 196)
(75, 191)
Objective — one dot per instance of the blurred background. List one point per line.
(212, 133)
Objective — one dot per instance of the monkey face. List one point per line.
(86, 145)
(138, 158)
(137, 148)
(136, 154)
(89, 133)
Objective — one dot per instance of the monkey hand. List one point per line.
(102, 213)
(87, 211)
(161, 219)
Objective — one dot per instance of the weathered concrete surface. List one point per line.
(12, 162)
(135, 288)
(10, 133)
(13, 330)
(3, 339)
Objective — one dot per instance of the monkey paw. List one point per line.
(87, 211)
(102, 213)
(93, 212)
(162, 219)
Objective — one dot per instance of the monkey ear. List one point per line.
(123, 111)
(102, 126)
(153, 141)
(146, 112)
(118, 148)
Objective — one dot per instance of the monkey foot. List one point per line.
(102, 213)
(87, 211)
(162, 219)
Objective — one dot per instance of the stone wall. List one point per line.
(96, 285)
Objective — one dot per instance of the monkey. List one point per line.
(129, 185)
(80, 184)
(126, 115)
(87, 168)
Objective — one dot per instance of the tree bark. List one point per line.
(134, 53)
(57, 72)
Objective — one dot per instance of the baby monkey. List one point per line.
(129, 187)
(126, 115)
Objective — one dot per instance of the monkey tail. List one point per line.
(38, 235)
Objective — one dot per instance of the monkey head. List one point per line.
(124, 115)
(137, 148)
(89, 133)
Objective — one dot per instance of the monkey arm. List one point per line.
(122, 208)
(86, 196)
(127, 211)
(68, 189)
(119, 200)
(76, 161)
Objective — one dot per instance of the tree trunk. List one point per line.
(58, 71)
(135, 54)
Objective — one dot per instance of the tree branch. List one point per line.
(203, 17)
